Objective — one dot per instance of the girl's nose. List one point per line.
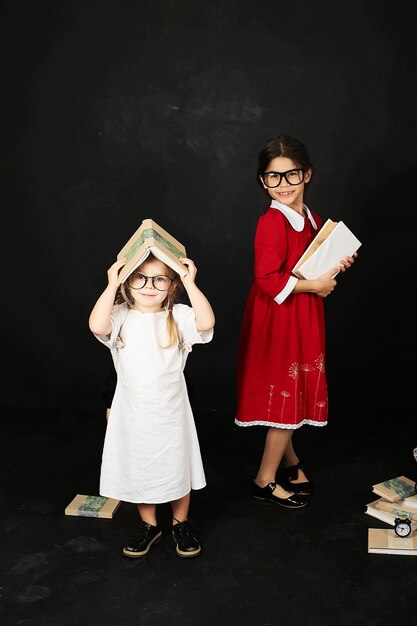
(149, 283)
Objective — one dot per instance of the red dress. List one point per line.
(281, 378)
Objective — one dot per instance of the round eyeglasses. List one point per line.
(293, 177)
(139, 281)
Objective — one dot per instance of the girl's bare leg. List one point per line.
(276, 444)
(180, 509)
(147, 513)
(290, 458)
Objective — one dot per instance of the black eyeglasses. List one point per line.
(138, 281)
(293, 177)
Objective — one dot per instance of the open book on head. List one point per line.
(333, 242)
(151, 238)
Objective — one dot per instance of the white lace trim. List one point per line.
(275, 425)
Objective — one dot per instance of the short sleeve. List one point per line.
(185, 319)
(118, 317)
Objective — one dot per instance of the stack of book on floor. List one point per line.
(397, 499)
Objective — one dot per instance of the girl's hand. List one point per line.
(192, 271)
(113, 272)
(346, 263)
(326, 283)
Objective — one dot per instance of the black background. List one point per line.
(116, 112)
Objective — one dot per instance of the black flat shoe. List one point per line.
(187, 543)
(265, 493)
(288, 474)
(143, 540)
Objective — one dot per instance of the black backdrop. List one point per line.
(115, 112)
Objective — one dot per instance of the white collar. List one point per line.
(295, 219)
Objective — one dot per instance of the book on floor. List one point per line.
(151, 238)
(385, 541)
(411, 502)
(395, 488)
(389, 511)
(92, 506)
(386, 505)
(333, 242)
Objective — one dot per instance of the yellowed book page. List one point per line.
(396, 509)
(323, 233)
(339, 243)
(384, 516)
(411, 501)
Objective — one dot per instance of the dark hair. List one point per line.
(283, 146)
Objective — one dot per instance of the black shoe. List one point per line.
(288, 474)
(265, 493)
(143, 540)
(187, 543)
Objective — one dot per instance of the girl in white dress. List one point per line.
(151, 451)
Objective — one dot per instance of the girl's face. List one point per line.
(149, 299)
(290, 195)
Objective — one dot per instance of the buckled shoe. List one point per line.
(289, 474)
(266, 493)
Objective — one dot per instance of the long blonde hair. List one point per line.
(124, 294)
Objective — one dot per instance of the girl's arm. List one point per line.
(204, 315)
(324, 285)
(99, 321)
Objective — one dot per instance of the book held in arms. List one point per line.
(395, 488)
(333, 242)
(390, 511)
(92, 506)
(151, 238)
(385, 541)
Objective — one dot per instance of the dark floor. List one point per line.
(261, 564)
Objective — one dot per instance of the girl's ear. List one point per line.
(307, 175)
(262, 183)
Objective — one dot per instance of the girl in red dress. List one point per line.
(281, 377)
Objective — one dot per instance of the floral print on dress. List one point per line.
(302, 375)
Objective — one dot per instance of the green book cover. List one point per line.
(395, 488)
(92, 506)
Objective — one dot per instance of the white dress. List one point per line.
(151, 451)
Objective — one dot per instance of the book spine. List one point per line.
(150, 233)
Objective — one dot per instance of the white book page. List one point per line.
(340, 243)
